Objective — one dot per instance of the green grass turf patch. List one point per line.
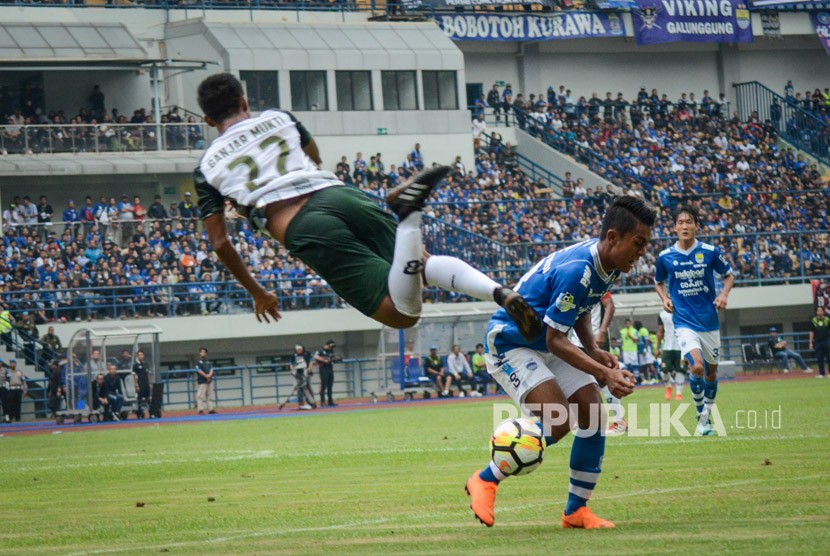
(391, 480)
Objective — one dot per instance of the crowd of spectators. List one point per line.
(31, 130)
(816, 101)
(672, 152)
(117, 258)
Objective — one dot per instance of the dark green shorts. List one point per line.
(349, 241)
(671, 361)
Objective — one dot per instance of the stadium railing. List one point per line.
(532, 170)
(504, 262)
(799, 127)
(101, 138)
(271, 383)
(731, 349)
(562, 142)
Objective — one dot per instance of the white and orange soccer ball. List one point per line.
(517, 446)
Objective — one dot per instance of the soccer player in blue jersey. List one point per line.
(685, 282)
(550, 376)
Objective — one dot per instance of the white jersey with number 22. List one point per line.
(261, 160)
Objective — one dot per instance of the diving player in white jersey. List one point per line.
(672, 371)
(548, 375)
(685, 282)
(271, 162)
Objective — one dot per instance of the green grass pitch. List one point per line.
(391, 481)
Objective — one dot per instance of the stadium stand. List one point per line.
(764, 206)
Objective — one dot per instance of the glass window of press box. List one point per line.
(308, 91)
(399, 90)
(440, 90)
(354, 90)
(261, 88)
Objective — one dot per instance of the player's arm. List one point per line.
(307, 142)
(608, 315)
(661, 333)
(212, 209)
(665, 298)
(722, 266)
(585, 333)
(661, 277)
(620, 382)
(722, 299)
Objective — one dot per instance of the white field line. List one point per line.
(133, 458)
(427, 516)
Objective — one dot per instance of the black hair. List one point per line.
(638, 325)
(219, 96)
(624, 213)
(687, 209)
(479, 346)
(204, 348)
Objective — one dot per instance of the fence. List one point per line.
(512, 159)
(269, 384)
(101, 138)
(757, 259)
(272, 384)
(802, 128)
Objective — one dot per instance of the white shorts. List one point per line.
(630, 359)
(707, 342)
(523, 369)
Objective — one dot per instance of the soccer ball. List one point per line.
(517, 446)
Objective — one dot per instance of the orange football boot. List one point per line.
(482, 498)
(584, 518)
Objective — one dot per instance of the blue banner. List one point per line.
(616, 4)
(659, 21)
(822, 22)
(497, 27)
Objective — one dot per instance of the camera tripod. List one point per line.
(301, 382)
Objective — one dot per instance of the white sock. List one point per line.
(405, 275)
(679, 379)
(497, 472)
(455, 275)
(609, 397)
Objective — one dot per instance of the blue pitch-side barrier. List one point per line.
(271, 384)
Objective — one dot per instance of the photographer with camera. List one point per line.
(300, 368)
(326, 359)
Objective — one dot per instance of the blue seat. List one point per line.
(412, 375)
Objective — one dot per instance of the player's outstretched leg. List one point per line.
(407, 201)
(455, 275)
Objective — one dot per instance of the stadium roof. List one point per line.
(83, 45)
(78, 164)
(301, 46)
